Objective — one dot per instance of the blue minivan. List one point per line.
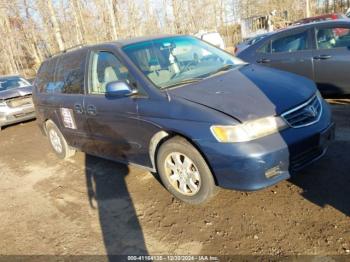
(180, 107)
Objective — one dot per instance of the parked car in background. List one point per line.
(199, 121)
(320, 18)
(248, 42)
(16, 104)
(348, 13)
(319, 51)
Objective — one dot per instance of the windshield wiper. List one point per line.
(222, 69)
(184, 82)
(197, 79)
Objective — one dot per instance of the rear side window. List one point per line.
(329, 38)
(45, 75)
(290, 43)
(64, 74)
(69, 76)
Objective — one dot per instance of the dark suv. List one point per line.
(185, 109)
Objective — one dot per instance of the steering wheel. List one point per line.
(185, 68)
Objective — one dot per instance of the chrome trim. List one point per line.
(301, 106)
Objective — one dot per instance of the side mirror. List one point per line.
(119, 89)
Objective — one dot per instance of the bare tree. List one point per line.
(112, 19)
(31, 30)
(8, 40)
(55, 25)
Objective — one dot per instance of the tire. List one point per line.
(175, 170)
(58, 142)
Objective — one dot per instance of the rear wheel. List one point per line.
(184, 172)
(58, 142)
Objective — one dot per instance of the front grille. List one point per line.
(19, 101)
(305, 114)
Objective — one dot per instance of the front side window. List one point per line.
(291, 43)
(106, 68)
(172, 61)
(329, 38)
(13, 82)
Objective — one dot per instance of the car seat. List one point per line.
(159, 75)
(109, 76)
(324, 39)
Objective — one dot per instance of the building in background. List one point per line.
(262, 24)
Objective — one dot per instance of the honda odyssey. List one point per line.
(185, 109)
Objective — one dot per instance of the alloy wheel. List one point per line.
(182, 173)
(55, 141)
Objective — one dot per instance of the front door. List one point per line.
(112, 121)
(332, 59)
(289, 52)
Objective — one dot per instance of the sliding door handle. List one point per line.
(325, 57)
(263, 61)
(78, 108)
(91, 110)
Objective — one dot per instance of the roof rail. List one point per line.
(68, 49)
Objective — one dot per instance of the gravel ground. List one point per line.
(87, 205)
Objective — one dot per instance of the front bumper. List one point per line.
(264, 162)
(10, 116)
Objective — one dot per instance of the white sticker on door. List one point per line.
(68, 118)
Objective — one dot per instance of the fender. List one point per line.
(153, 145)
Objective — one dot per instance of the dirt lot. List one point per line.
(92, 206)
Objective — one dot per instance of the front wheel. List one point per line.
(184, 172)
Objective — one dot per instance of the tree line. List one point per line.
(32, 30)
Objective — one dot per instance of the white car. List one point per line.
(213, 38)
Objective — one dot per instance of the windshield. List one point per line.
(6, 84)
(173, 61)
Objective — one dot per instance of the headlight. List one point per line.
(248, 131)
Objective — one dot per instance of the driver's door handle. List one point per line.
(323, 57)
(263, 61)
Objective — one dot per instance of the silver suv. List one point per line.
(16, 104)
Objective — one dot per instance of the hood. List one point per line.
(15, 92)
(249, 92)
